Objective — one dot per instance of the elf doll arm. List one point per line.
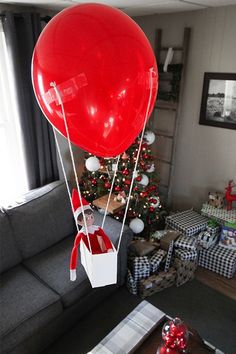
(74, 257)
(106, 240)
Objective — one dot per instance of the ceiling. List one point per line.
(131, 7)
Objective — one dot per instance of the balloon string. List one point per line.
(109, 196)
(53, 84)
(137, 157)
(64, 173)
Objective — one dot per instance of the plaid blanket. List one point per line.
(131, 331)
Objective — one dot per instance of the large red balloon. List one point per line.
(100, 60)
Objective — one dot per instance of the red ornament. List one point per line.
(117, 188)
(105, 87)
(125, 172)
(175, 335)
(128, 182)
(138, 179)
(151, 209)
(107, 185)
(125, 156)
(94, 182)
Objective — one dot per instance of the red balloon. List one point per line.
(100, 60)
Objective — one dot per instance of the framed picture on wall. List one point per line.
(218, 106)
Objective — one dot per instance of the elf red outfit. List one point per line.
(99, 243)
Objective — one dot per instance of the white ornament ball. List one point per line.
(145, 180)
(136, 225)
(151, 168)
(149, 137)
(92, 164)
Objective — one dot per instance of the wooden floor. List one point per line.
(223, 285)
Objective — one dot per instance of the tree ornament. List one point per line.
(94, 182)
(128, 182)
(151, 209)
(149, 137)
(125, 172)
(107, 185)
(125, 156)
(151, 168)
(117, 188)
(146, 156)
(92, 164)
(154, 202)
(136, 225)
(138, 179)
(144, 180)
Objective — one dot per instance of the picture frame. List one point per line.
(218, 105)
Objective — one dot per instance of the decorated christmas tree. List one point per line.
(145, 212)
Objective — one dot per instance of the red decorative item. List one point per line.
(175, 336)
(94, 182)
(117, 188)
(229, 196)
(107, 185)
(100, 60)
(151, 209)
(138, 179)
(127, 182)
(125, 172)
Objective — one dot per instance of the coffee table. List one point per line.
(140, 332)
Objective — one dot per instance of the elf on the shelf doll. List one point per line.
(99, 241)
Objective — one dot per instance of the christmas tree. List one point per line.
(145, 203)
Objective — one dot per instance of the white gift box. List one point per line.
(101, 268)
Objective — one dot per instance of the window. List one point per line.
(13, 180)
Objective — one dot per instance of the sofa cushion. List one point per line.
(112, 227)
(9, 254)
(26, 305)
(41, 218)
(53, 267)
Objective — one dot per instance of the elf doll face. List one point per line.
(89, 216)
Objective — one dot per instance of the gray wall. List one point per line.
(205, 156)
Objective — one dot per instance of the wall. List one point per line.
(205, 156)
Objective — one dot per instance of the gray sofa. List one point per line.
(38, 301)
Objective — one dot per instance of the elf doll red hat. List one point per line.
(77, 208)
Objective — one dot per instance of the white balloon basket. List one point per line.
(100, 268)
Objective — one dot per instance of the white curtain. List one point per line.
(13, 180)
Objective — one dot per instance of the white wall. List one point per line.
(205, 156)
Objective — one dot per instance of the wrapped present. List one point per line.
(221, 215)
(216, 199)
(185, 270)
(186, 255)
(157, 282)
(218, 259)
(170, 235)
(156, 260)
(131, 283)
(206, 239)
(228, 237)
(186, 243)
(189, 222)
(140, 267)
(169, 256)
(141, 247)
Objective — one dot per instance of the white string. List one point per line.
(53, 84)
(137, 158)
(64, 173)
(112, 185)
